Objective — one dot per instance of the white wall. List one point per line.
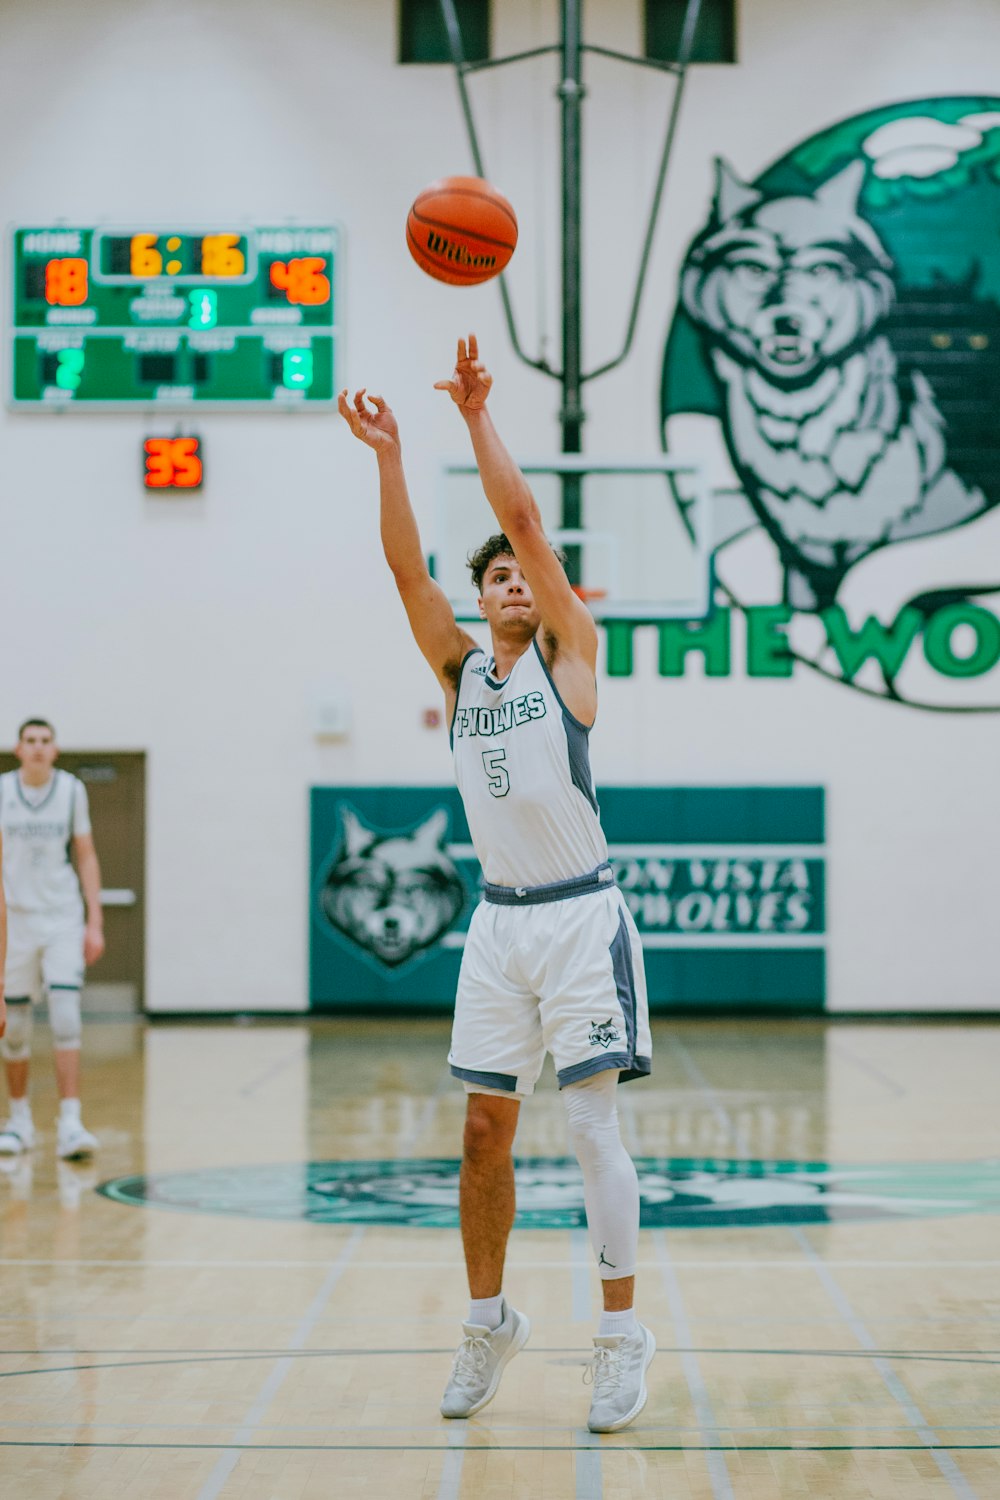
(197, 629)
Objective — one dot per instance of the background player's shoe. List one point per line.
(16, 1135)
(480, 1362)
(73, 1141)
(618, 1371)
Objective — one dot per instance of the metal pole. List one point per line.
(571, 416)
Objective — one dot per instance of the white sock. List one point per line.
(20, 1109)
(614, 1323)
(486, 1312)
(69, 1109)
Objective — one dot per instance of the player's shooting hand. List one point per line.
(377, 428)
(470, 385)
(93, 943)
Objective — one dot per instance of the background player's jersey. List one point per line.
(39, 824)
(523, 768)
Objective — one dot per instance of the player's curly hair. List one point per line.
(497, 545)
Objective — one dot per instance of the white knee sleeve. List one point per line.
(15, 1045)
(64, 1015)
(610, 1184)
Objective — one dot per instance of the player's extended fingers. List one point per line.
(473, 346)
(462, 354)
(359, 402)
(379, 403)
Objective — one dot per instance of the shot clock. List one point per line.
(174, 317)
(172, 463)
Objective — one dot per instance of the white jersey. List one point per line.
(38, 825)
(523, 768)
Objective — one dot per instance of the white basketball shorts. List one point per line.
(543, 973)
(44, 952)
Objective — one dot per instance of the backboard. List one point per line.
(634, 556)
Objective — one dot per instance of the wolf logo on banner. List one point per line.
(392, 894)
(839, 321)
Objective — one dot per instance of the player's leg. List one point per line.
(486, 1192)
(595, 1024)
(610, 1185)
(496, 1051)
(62, 969)
(22, 979)
(623, 1347)
(495, 1331)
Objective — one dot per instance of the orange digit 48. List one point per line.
(66, 282)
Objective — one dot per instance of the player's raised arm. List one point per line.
(564, 616)
(431, 617)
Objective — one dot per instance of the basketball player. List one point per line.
(43, 813)
(552, 960)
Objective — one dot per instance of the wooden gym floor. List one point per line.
(187, 1351)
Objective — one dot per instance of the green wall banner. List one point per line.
(726, 885)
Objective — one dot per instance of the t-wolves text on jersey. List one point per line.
(523, 768)
(488, 721)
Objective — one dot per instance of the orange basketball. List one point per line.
(461, 230)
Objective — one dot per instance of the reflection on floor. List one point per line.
(180, 1352)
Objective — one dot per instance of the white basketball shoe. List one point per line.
(480, 1361)
(618, 1372)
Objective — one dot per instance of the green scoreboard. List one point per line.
(176, 318)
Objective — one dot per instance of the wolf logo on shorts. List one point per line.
(393, 894)
(604, 1033)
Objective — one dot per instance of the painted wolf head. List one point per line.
(787, 284)
(393, 894)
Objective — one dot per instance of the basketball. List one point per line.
(461, 230)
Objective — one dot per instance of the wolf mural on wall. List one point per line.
(837, 454)
(392, 894)
(834, 368)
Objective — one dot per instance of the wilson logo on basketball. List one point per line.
(438, 245)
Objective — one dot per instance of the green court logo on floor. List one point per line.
(675, 1192)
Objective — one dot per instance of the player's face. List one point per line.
(36, 749)
(506, 601)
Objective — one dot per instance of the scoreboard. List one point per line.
(174, 318)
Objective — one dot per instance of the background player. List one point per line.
(3, 946)
(552, 960)
(44, 812)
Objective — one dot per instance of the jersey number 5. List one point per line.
(496, 771)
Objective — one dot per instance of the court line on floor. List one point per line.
(722, 1115)
(582, 1303)
(231, 1456)
(297, 1054)
(237, 1356)
(907, 1404)
(782, 1263)
(382, 1429)
(588, 1471)
(488, 1448)
(450, 1484)
(718, 1469)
